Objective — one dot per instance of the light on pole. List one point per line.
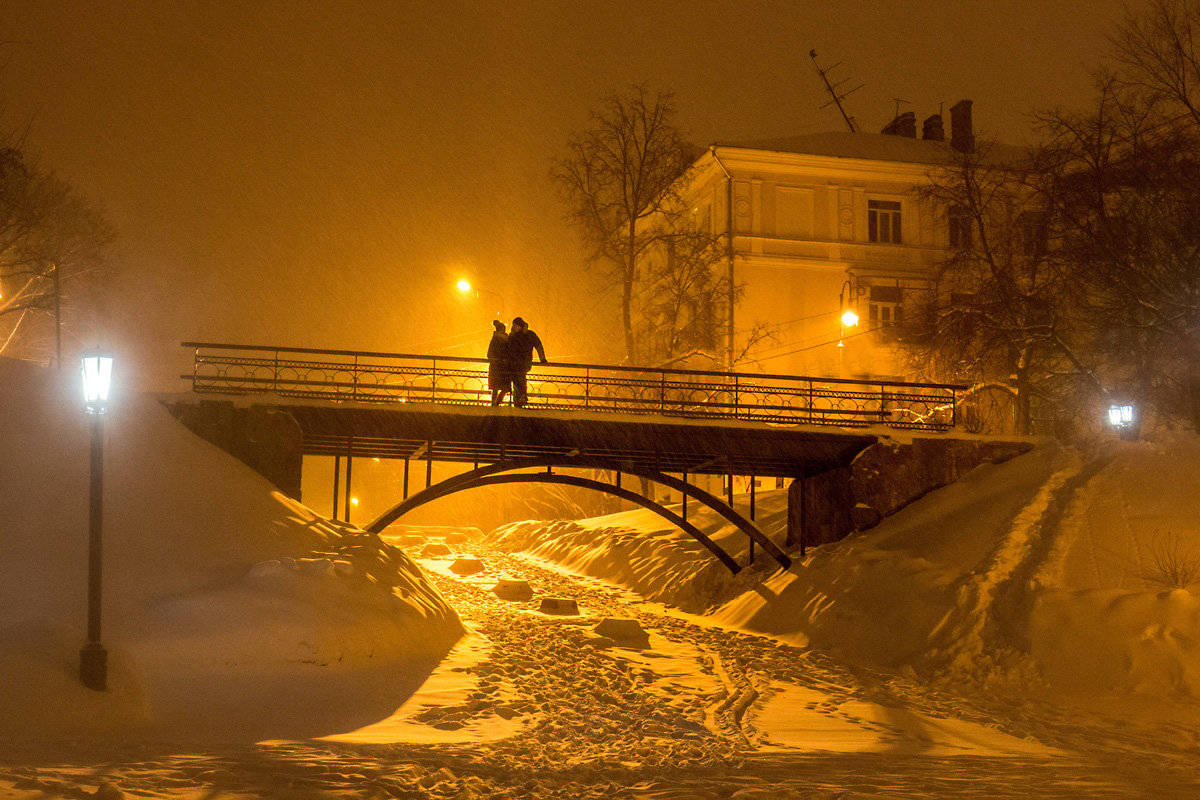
(97, 380)
(849, 316)
(469, 290)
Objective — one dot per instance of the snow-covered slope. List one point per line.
(229, 610)
(1039, 573)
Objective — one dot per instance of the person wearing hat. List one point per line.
(521, 344)
(499, 364)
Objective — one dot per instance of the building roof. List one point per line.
(872, 146)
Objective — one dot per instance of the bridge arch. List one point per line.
(491, 474)
(586, 483)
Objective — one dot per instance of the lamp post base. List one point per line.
(93, 666)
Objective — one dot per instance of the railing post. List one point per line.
(587, 386)
(737, 398)
(353, 391)
(662, 391)
(275, 374)
(433, 382)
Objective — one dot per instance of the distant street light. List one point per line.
(1121, 418)
(849, 315)
(469, 290)
(97, 380)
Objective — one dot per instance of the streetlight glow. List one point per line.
(1121, 415)
(464, 285)
(97, 381)
(845, 303)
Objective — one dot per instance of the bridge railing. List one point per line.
(345, 375)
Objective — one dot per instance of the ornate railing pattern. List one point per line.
(346, 375)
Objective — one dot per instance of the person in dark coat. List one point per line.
(499, 364)
(521, 344)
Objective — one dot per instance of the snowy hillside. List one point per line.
(1048, 574)
(228, 608)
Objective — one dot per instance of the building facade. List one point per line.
(823, 224)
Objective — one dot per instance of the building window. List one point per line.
(883, 221)
(1033, 233)
(885, 306)
(960, 227)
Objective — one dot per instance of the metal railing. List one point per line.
(347, 375)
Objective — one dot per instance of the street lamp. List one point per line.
(97, 380)
(849, 315)
(468, 290)
(1123, 420)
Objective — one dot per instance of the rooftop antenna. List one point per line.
(898, 102)
(833, 93)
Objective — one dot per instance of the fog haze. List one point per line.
(321, 173)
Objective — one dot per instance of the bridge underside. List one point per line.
(273, 437)
(635, 444)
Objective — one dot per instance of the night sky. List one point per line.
(321, 173)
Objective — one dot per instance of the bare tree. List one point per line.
(52, 249)
(1123, 177)
(1001, 313)
(618, 176)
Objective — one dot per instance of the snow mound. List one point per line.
(1055, 573)
(229, 610)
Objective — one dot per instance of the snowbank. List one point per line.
(229, 610)
(1039, 574)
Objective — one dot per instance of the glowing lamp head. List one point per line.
(849, 318)
(1120, 416)
(464, 285)
(97, 381)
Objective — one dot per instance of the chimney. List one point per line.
(962, 137)
(932, 129)
(903, 125)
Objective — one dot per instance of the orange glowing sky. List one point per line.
(321, 173)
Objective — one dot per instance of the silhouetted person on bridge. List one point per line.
(521, 344)
(500, 365)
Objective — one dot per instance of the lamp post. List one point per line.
(849, 319)
(97, 380)
(849, 315)
(1123, 419)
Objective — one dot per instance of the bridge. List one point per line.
(662, 425)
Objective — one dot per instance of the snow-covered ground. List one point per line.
(229, 610)
(1008, 636)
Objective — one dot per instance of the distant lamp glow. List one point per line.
(1121, 415)
(354, 502)
(845, 303)
(470, 290)
(97, 381)
(1123, 419)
